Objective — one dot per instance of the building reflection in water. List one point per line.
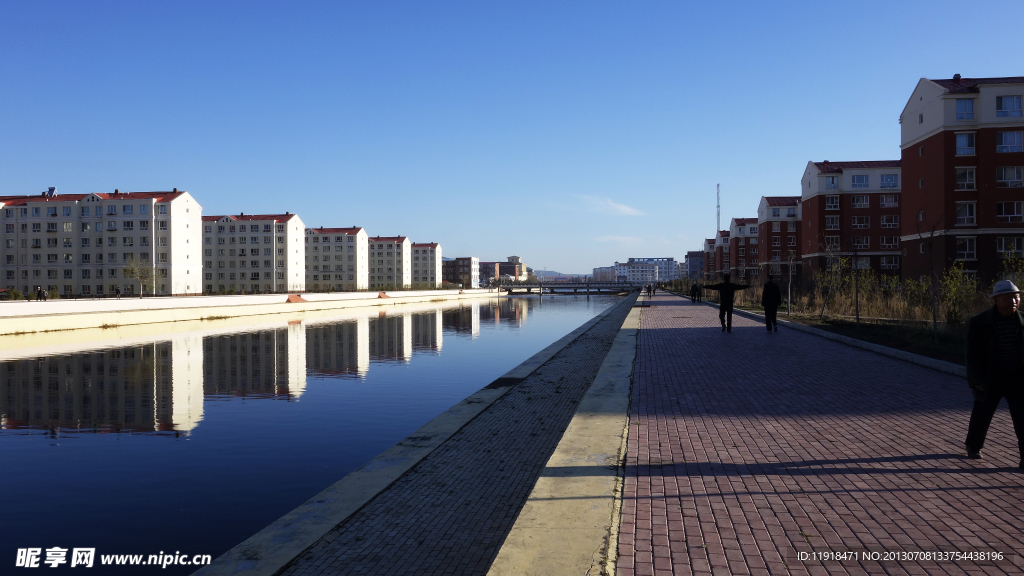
(158, 385)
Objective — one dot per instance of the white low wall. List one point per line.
(19, 317)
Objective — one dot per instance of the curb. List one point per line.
(271, 549)
(940, 365)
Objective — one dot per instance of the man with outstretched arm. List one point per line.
(726, 290)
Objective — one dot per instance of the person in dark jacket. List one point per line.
(726, 291)
(693, 292)
(995, 366)
(771, 298)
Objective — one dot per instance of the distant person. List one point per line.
(726, 291)
(39, 293)
(46, 295)
(771, 299)
(117, 292)
(693, 292)
(995, 366)
(700, 293)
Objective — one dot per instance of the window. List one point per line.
(965, 108)
(861, 222)
(890, 221)
(776, 255)
(1010, 176)
(128, 225)
(776, 241)
(889, 201)
(890, 181)
(965, 214)
(859, 181)
(861, 242)
(831, 222)
(775, 226)
(791, 241)
(831, 182)
(127, 209)
(143, 209)
(1007, 106)
(775, 212)
(742, 251)
(1009, 142)
(965, 144)
(965, 248)
(1009, 211)
(831, 202)
(890, 262)
(965, 179)
(860, 201)
(161, 209)
(1007, 246)
(890, 242)
(162, 225)
(790, 226)
(920, 183)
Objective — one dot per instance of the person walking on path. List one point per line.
(726, 291)
(700, 293)
(693, 292)
(771, 299)
(117, 292)
(995, 366)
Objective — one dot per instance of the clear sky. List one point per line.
(572, 134)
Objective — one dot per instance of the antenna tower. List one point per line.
(718, 207)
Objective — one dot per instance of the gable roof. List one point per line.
(398, 239)
(958, 85)
(781, 200)
(247, 217)
(20, 200)
(322, 230)
(827, 167)
(425, 244)
(744, 221)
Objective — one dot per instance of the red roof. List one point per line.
(388, 239)
(966, 85)
(24, 199)
(247, 217)
(744, 221)
(322, 230)
(781, 200)
(425, 245)
(827, 167)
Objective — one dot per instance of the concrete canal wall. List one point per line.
(24, 317)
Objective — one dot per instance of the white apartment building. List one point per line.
(336, 259)
(636, 271)
(79, 244)
(390, 263)
(668, 268)
(426, 265)
(253, 253)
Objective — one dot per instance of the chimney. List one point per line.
(116, 191)
(956, 77)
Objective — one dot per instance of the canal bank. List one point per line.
(449, 494)
(24, 317)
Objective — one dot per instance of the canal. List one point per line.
(192, 441)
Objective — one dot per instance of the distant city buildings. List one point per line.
(259, 253)
(337, 259)
(390, 263)
(426, 265)
(693, 265)
(463, 271)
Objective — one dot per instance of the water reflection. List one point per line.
(158, 385)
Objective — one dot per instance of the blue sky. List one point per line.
(572, 134)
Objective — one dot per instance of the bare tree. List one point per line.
(140, 272)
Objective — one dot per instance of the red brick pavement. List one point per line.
(747, 447)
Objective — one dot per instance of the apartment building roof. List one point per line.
(827, 167)
(425, 244)
(781, 200)
(744, 221)
(959, 85)
(322, 230)
(245, 217)
(388, 238)
(44, 197)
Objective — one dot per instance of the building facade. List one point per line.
(963, 160)
(851, 211)
(426, 265)
(636, 271)
(514, 269)
(253, 254)
(722, 261)
(743, 248)
(97, 244)
(336, 259)
(694, 264)
(604, 274)
(668, 268)
(464, 271)
(779, 234)
(390, 263)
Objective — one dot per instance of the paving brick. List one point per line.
(746, 446)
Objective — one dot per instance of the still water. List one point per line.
(194, 441)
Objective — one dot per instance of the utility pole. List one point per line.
(718, 208)
(856, 285)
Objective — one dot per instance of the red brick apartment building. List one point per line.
(708, 272)
(721, 254)
(963, 162)
(743, 247)
(779, 232)
(850, 210)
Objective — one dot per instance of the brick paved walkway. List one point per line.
(450, 513)
(745, 447)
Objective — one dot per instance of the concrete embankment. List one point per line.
(34, 317)
(445, 498)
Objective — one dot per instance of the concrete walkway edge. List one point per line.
(940, 365)
(569, 524)
(270, 550)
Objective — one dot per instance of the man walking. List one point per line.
(771, 298)
(693, 292)
(995, 366)
(726, 290)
